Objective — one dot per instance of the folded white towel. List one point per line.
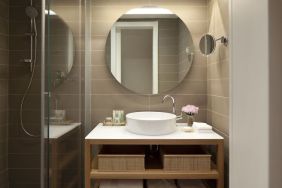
(121, 184)
(161, 184)
(190, 184)
(203, 130)
(201, 126)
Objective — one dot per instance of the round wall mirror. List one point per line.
(149, 50)
(61, 44)
(207, 44)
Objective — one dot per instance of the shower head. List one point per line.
(31, 12)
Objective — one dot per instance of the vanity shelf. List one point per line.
(154, 174)
(105, 135)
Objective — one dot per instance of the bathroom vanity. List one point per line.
(102, 136)
(64, 154)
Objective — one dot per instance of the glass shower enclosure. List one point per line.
(63, 90)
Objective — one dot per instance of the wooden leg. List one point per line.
(87, 162)
(54, 164)
(220, 164)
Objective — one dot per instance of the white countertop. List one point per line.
(101, 132)
(56, 131)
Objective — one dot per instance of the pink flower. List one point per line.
(190, 109)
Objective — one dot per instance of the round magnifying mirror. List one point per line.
(207, 44)
(149, 52)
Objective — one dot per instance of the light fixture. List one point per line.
(50, 12)
(149, 10)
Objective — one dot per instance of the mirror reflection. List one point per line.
(149, 53)
(61, 45)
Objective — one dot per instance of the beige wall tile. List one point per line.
(137, 102)
(66, 3)
(193, 89)
(219, 105)
(110, 86)
(197, 73)
(101, 72)
(67, 13)
(218, 75)
(98, 42)
(105, 14)
(98, 115)
(179, 3)
(98, 57)
(181, 100)
(218, 70)
(190, 13)
(199, 59)
(132, 3)
(219, 121)
(101, 28)
(196, 27)
(218, 87)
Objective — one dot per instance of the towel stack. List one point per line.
(202, 127)
(121, 184)
(161, 184)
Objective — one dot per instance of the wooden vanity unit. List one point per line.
(64, 148)
(118, 136)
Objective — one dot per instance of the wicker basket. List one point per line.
(120, 158)
(185, 159)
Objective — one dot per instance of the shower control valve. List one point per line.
(27, 60)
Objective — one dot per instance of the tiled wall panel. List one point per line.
(4, 71)
(107, 94)
(218, 75)
(24, 151)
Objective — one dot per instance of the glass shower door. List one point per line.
(63, 92)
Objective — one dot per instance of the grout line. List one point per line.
(218, 96)
(217, 79)
(5, 35)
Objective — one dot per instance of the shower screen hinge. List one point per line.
(48, 94)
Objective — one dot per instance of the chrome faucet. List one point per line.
(173, 102)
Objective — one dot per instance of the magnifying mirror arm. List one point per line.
(223, 40)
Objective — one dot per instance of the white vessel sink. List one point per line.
(151, 123)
